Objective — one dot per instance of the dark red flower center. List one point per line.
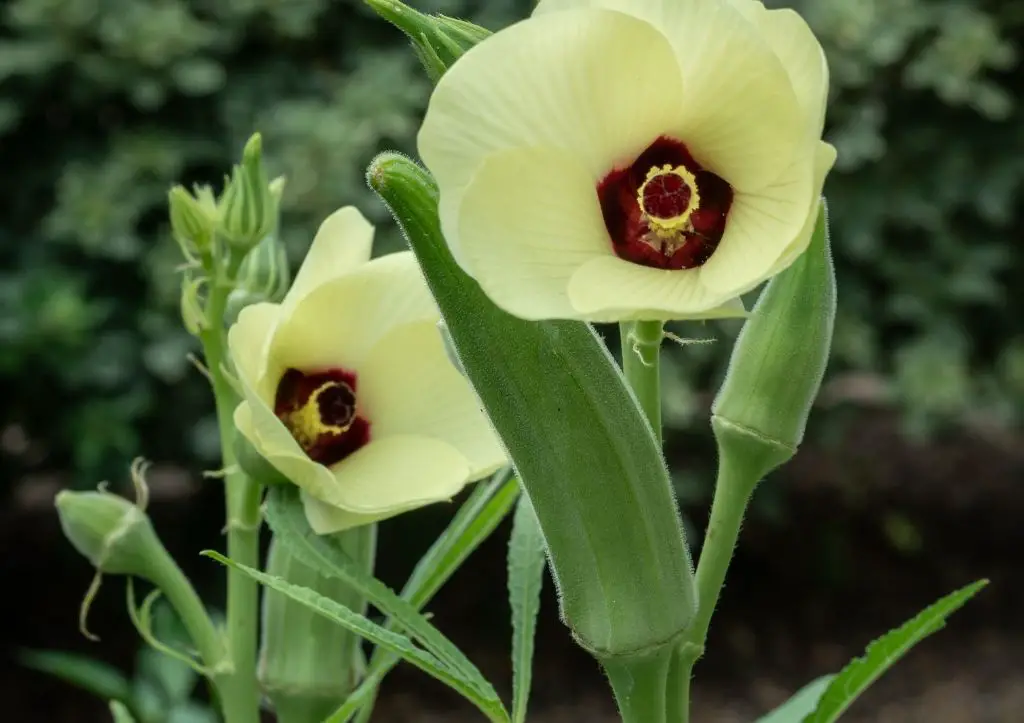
(319, 409)
(665, 210)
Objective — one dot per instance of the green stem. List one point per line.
(679, 677)
(639, 683)
(733, 489)
(641, 364)
(239, 693)
(178, 590)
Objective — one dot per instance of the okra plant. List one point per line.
(603, 161)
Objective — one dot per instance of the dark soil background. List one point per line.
(807, 591)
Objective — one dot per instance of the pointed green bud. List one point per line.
(193, 223)
(309, 665)
(606, 509)
(111, 532)
(438, 40)
(248, 206)
(779, 360)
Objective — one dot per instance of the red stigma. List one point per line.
(666, 196)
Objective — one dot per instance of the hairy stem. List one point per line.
(240, 693)
(641, 364)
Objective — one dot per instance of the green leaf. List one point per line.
(526, 558)
(486, 507)
(803, 702)
(120, 712)
(104, 681)
(425, 660)
(855, 678)
(479, 515)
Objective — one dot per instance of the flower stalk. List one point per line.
(118, 538)
(641, 364)
(761, 412)
(640, 685)
(240, 693)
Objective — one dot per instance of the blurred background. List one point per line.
(910, 483)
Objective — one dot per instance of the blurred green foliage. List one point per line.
(104, 105)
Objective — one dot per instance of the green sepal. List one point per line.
(437, 39)
(255, 466)
(779, 360)
(193, 221)
(581, 447)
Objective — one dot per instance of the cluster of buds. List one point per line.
(236, 232)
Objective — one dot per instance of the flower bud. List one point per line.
(263, 276)
(308, 664)
(779, 359)
(193, 221)
(248, 206)
(438, 40)
(111, 532)
(192, 314)
(265, 272)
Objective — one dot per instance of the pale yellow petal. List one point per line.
(801, 54)
(750, 8)
(529, 219)
(740, 117)
(342, 244)
(409, 387)
(600, 85)
(243, 421)
(824, 158)
(759, 228)
(397, 473)
(272, 440)
(611, 289)
(249, 341)
(325, 519)
(339, 322)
